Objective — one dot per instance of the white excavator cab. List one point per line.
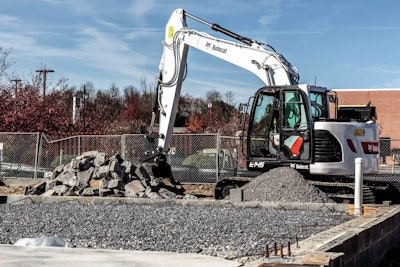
(291, 126)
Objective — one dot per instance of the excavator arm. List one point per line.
(260, 59)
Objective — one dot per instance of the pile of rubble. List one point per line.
(95, 174)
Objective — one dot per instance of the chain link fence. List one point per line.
(19, 154)
(389, 156)
(194, 158)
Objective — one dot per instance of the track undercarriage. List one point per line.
(376, 188)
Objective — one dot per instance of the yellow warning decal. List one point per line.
(359, 132)
(171, 32)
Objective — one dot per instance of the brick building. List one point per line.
(386, 101)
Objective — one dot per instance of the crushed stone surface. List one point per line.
(222, 231)
(283, 184)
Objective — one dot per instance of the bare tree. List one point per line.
(230, 98)
(213, 95)
(5, 61)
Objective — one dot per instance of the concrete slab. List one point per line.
(59, 257)
(360, 242)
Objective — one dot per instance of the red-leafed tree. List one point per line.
(29, 111)
(25, 108)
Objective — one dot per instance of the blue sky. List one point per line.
(338, 44)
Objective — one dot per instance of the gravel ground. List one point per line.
(222, 231)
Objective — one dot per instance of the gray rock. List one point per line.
(71, 180)
(100, 159)
(68, 177)
(48, 193)
(100, 172)
(153, 195)
(103, 192)
(131, 194)
(113, 183)
(73, 165)
(89, 191)
(134, 187)
(60, 189)
(50, 184)
(188, 196)
(85, 164)
(38, 189)
(85, 176)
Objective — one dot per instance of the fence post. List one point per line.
(217, 154)
(123, 146)
(61, 155)
(1, 159)
(79, 145)
(38, 153)
(358, 185)
(393, 159)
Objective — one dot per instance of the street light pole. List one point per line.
(44, 71)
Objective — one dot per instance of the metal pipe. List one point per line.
(220, 29)
(266, 251)
(358, 184)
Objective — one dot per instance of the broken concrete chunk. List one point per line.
(38, 189)
(48, 193)
(50, 184)
(85, 176)
(60, 189)
(100, 159)
(89, 191)
(134, 187)
(68, 178)
(85, 164)
(117, 158)
(94, 183)
(74, 164)
(114, 183)
(164, 193)
(100, 172)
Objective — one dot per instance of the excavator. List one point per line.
(289, 123)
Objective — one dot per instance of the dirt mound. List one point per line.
(283, 184)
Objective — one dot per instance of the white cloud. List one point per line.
(84, 7)
(140, 8)
(6, 20)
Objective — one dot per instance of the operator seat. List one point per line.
(296, 118)
(292, 146)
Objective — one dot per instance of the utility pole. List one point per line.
(84, 106)
(44, 71)
(16, 85)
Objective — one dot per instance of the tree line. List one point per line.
(65, 110)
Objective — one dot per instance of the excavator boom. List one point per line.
(271, 67)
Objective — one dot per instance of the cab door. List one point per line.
(295, 128)
(263, 131)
